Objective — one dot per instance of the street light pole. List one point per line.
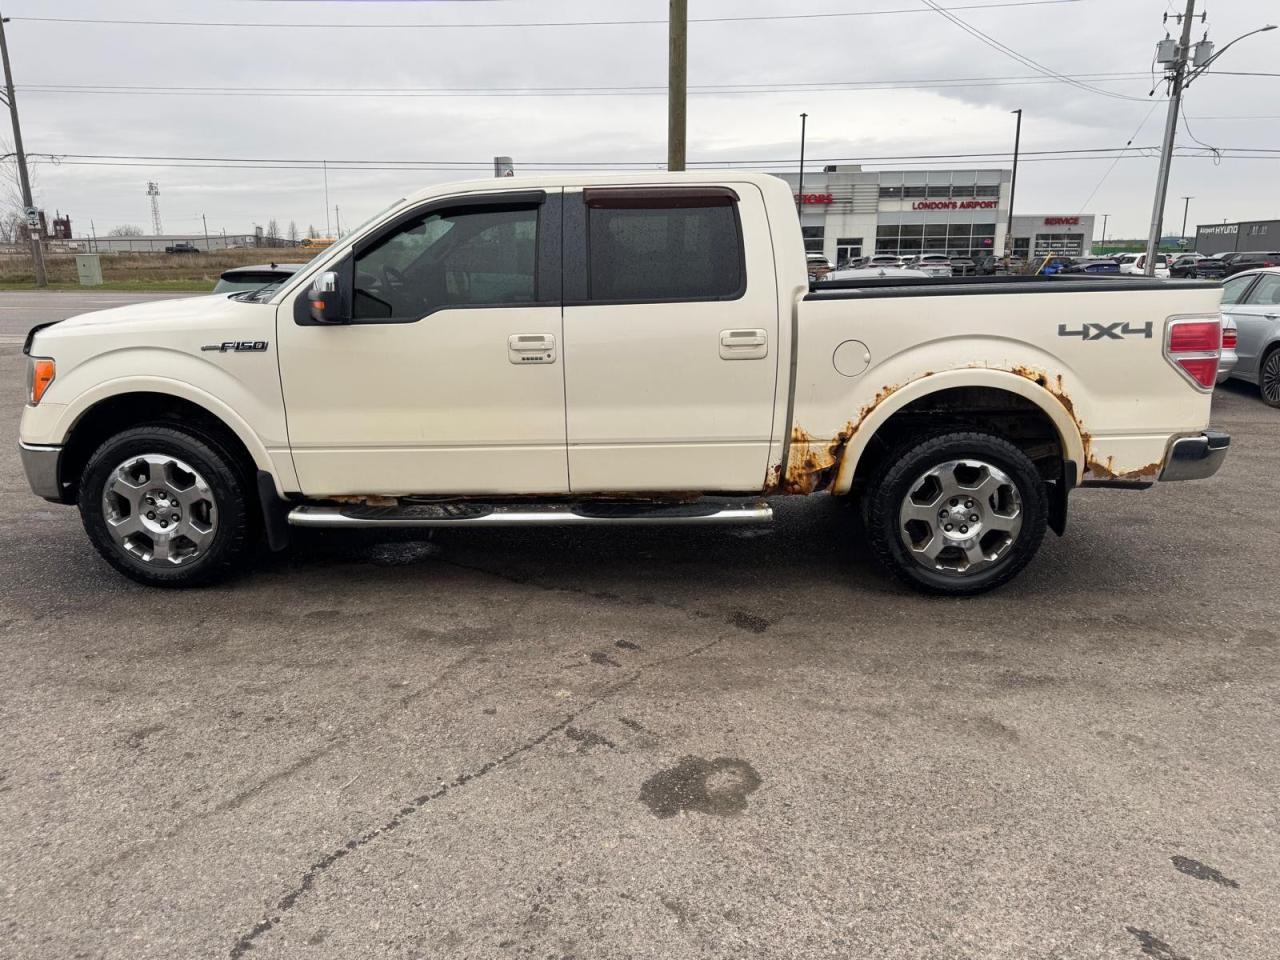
(677, 75)
(1186, 205)
(1103, 241)
(37, 250)
(1013, 186)
(800, 186)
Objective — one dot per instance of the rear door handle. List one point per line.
(744, 344)
(531, 348)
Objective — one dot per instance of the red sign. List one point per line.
(954, 205)
(1061, 221)
(814, 198)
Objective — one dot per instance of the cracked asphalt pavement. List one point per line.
(721, 743)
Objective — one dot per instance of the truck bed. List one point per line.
(959, 286)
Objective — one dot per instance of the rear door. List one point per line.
(671, 338)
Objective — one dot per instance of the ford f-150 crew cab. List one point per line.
(615, 349)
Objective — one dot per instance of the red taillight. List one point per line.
(1194, 347)
(1188, 336)
(1228, 338)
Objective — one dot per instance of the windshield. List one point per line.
(263, 294)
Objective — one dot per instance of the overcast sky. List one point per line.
(1083, 37)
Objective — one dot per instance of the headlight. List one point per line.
(40, 373)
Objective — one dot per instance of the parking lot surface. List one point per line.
(652, 744)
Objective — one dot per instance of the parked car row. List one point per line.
(1251, 329)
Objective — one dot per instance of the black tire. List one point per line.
(233, 524)
(1269, 377)
(899, 475)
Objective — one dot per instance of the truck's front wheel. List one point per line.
(166, 507)
(957, 514)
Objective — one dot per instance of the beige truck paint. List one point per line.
(647, 402)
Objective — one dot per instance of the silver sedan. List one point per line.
(1252, 301)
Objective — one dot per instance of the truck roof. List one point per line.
(562, 178)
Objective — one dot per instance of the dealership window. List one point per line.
(887, 231)
(1258, 230)
(891, 193)
(654, 248)
(987, 190)
(848, 248)
(913, 192)
(813, 238)
(1021, 247)
(938, 192)
(1059, 244)
(984, 229)
(962, 191)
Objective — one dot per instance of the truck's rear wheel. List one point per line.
(166, 507)
(957, 514)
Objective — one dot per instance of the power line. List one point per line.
(534, 23)
(1021, 58)
(605, 91)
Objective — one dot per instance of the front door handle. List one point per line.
(531, 348)
(744, 344)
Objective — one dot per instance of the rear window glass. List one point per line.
(663, 247)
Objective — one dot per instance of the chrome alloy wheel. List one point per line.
(159, 510)
(960, 517)
(1269, 378)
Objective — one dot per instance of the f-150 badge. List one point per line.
(237, 346)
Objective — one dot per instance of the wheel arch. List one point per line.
(99, 414)
(967, 394)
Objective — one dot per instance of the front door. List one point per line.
(1257, 315)
(448, 379)
(671, 339)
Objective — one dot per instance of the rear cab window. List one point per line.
(663, 245)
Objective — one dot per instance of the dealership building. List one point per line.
(848, 212)
(1247, 235)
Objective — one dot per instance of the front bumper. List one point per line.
(41, 466)
(1194, 458)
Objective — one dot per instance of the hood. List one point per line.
(169, 312)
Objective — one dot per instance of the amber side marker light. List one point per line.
(42, 374)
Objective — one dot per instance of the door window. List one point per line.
(656, 247)
(466, 257)
(1266, 293)
(1234, 289)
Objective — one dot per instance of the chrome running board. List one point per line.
(466, 514)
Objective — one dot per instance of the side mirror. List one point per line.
(325, 299)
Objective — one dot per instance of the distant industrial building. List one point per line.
(1232, 237)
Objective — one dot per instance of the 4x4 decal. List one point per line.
(1107, 331)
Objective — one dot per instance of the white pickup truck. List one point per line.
(605, 350)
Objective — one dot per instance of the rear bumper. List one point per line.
(1194, 458)
(41, 464)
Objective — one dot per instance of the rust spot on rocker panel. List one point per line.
(812, 463)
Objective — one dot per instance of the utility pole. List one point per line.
(1186, 205)
(33, 228)
(206, 232)
(337, 220)
(677, 77)
(800, 186)
(325, 164)
(1103, 241)
(1166, 147)
(1013, 188)
(93, 232)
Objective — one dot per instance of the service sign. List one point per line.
(814, 198)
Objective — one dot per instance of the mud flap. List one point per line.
(275, 513)
(1058, 492)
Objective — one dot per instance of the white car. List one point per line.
(581, 349)
(933, 264)
(875, 273)
(1137, 264)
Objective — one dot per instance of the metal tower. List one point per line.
(153, 191)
